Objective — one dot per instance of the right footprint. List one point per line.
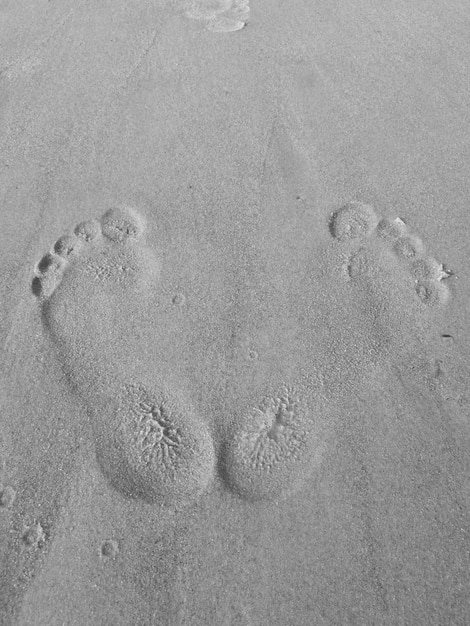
(390, 294)
(274, 448)
(357, 226)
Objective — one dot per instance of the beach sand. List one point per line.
(233, 313)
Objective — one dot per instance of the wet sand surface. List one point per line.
(234, 385)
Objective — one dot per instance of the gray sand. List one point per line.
(245, 400)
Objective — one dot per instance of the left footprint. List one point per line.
(95, 288)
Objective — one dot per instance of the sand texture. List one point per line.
(235, 347)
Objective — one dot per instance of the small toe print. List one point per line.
(221, 16)
(48, 275)
(122, 225)
(408, 247)
(225, 25)
(428, 269)
(241, 14)
(67, 245)
(49, 263)
(432, 293)
(203, 10)
(361, 264)
(357, 264)
(36, 286)
(391, 229)
(353, 221)
(89, 230)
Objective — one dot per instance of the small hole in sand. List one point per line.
(109, 548)
(34, 537)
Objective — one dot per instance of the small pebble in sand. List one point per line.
(225, 25)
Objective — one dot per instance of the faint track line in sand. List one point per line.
(10, 73)
(143, 55)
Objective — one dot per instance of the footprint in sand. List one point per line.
(95, 289)
(357, 226)
(393, 288)
(7, 497)
(220, 16)
(273, 449)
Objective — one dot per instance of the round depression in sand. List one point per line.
(153, 448)
(273, 448)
